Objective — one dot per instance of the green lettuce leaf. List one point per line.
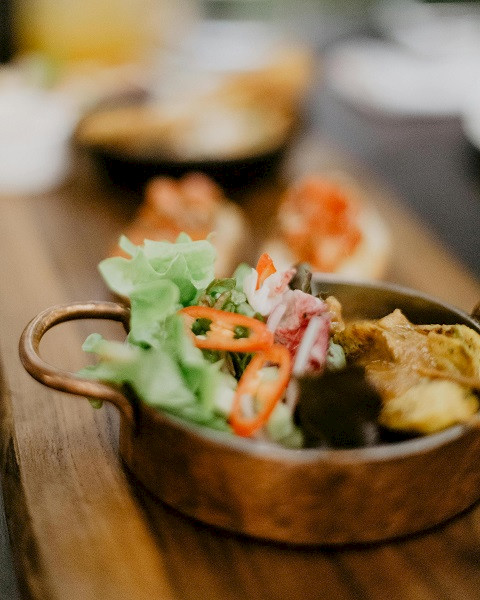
(179, 383)
(151, 303)
(189, 264)
(282, 429)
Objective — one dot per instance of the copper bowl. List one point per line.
(311, 496)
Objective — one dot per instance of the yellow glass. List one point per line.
(109, 31)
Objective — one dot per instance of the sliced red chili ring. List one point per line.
(264, 268)
(224, 326)
(266, 393)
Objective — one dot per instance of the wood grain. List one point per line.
(80, 528)
(78, 516)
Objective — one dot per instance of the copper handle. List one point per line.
(60, 379)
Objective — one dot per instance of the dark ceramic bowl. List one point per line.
(132, 163)
(233, 175)
(311, 496)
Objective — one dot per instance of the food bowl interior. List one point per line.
(371, 300)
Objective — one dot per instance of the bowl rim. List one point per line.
(112, 153)
(263, 449)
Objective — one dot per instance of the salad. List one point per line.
(256, 354)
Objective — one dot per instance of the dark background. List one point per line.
(427, 162)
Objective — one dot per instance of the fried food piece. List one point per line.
(424, 373)
(456, 348)
(429, 406)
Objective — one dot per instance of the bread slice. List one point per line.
(369, 259)
(194, 204)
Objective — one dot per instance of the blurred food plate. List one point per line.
(325, 220)
(193, 204)
(431, 28)
(226, 102)
(386, 78)
(233, 145)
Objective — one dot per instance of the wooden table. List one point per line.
(79, 528)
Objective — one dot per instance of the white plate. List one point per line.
(430, 28)
(388, 78)
(471, 116)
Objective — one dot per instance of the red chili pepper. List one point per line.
(221, 334)
(264, 268)
(265, 393)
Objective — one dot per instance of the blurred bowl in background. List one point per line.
(227, 102)
(236, 147)
(431, 29)
(384, 78)
(232, 175)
